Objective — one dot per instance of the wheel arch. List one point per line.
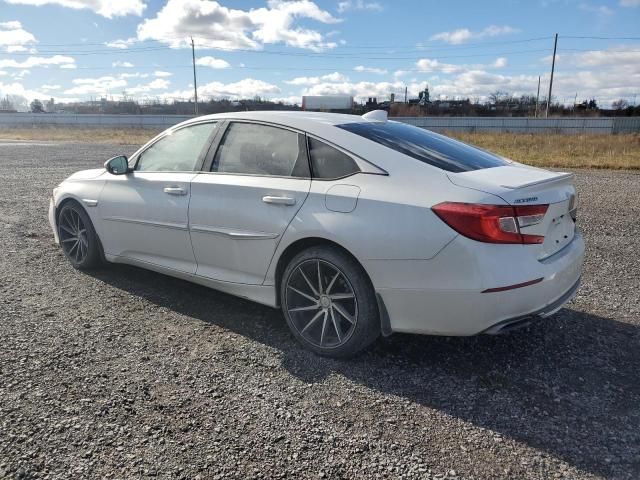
(71, 199)
(63, 202)
(302, 244)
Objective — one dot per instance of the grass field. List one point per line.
(561, 151)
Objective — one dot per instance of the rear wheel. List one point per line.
(329, 302)
(78, 238)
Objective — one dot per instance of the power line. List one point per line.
(297, 54)
(186, 39)
(599, 38)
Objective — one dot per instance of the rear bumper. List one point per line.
(522, 321)
(445, 295)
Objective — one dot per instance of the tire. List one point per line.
(78, 238)
(333, 313)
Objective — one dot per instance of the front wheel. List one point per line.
(78, 238)
(329, 302)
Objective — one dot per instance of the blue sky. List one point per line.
(81, 49)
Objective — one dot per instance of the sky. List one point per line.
(74, 50)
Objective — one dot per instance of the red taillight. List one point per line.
(492, 223)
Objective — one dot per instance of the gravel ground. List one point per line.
(125, 373)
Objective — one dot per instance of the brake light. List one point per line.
(492, 223)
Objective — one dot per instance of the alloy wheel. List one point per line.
(321, 303)
(73, 235)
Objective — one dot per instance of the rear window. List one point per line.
(426, 146)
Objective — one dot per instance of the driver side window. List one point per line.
(178, 151)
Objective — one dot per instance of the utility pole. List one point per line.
(195, 85)
(405, 94)
(538, 97)
(553, 66)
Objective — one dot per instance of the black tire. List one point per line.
(78, 238)
(324, 325)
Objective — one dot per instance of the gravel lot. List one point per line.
(130, 374)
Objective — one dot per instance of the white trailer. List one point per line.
(327, 102)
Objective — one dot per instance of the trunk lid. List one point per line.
(521, 185)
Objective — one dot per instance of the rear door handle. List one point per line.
(175, 190)
(279, 200)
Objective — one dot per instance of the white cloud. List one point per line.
(500, 62)
(246, 88)
(157, 84)
(428, 65)
(331, 77)
(378, 71)
(462, 35)
(121, 44)
(96, 86)
(160, 73)
(133, 75)
(600, 10)
(50, 87)
(212, 62)
(14, 38)
(360, 90)
(11, 25)
(16, 88)
(60, 60)
(106, 8)
(358, 5)
(401, 73)
(606, 75)
(215, 26)
(120, 64)
(2, 73)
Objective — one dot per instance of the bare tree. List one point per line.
(620, 104)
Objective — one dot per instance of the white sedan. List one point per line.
(354, 226)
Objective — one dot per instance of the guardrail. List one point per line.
(587, 125)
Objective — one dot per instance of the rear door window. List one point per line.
(254, 149)
(426, 146)
(328, 162)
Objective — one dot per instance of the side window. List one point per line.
(328, 162)
(178, 152)
(253, 149)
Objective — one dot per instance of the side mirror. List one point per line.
(117, 165)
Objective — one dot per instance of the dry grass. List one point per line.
(561, 151)
(120, 136)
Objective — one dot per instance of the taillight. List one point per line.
(492, 223)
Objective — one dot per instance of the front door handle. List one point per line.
(279, 200)
(175, 190)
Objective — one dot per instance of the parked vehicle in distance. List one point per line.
(354, 226)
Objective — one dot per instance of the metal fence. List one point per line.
(589, 125)
(90, 120)
(601, 125)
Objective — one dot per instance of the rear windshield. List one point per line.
(426, 146)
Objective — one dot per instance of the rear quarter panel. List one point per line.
(392, 219)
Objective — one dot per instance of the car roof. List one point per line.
(308, 121)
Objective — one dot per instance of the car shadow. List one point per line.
(568, 385)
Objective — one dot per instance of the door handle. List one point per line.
(279, 200)
(175, 190)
